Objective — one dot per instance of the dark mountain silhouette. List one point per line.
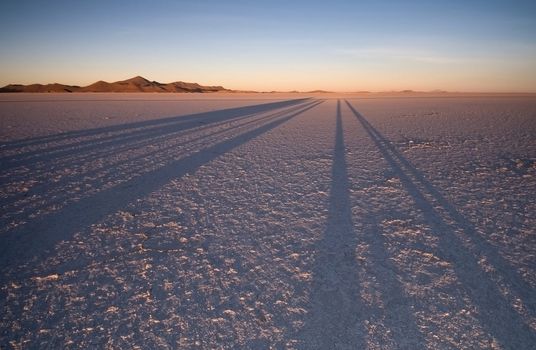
(319, 92)
(136, 84)
(39, 88)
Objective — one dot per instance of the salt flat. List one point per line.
(267, 221)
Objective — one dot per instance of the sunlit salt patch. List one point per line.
(112, 310)
(395, 222)
(174, 225)
(419, 144)
(294, 256)
(126, 216)
(427, 256)
(14, 285)
(384, 189)
(229, 313)
(393, 181)
(305, 276)
(49, 278)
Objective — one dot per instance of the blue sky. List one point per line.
(274, 45)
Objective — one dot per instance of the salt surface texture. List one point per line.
(262, 220)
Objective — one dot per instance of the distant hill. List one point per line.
(136, 84)
(319, 92)
(39, 88)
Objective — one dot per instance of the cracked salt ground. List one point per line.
(297, 223)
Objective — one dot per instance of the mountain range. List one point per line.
(136, 84)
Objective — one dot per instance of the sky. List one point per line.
(487, 46)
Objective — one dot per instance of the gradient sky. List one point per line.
(274, 45)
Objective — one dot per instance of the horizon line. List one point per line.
(313, 90)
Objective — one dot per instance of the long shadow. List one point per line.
(115, 168)
(180, 132)
(133, 131)
(335, 315)
(206, 117)
(338, 314)
(135, 136)
(509, 274)
(35, 240)
(121, 146)
(495, 312)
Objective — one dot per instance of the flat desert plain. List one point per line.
(323, 221)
